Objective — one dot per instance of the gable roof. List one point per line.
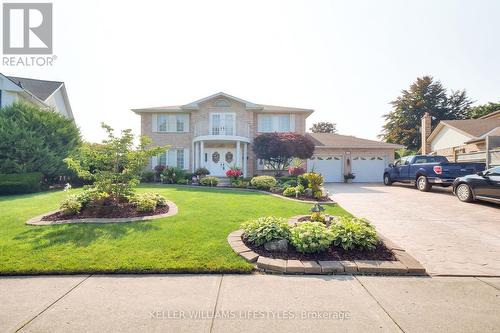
(495, 114)
(193, 106)
(332, 140)
(472, 128)
(42, 89)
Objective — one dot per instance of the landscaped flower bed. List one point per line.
(319, 243)
(113, 167)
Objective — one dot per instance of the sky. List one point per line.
(345, 59)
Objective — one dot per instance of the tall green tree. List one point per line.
(35, 140)
(324, 127)
(482, 110)
(402, 124)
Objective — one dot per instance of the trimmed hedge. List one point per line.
(19, 183)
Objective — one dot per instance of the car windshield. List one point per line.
(493, 171)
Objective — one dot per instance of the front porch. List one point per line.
(220, 154)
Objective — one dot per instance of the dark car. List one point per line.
(483, 185)
(427, 170)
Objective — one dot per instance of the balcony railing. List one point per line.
(204, 128)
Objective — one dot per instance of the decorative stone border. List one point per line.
(172, 210)
(404, 265)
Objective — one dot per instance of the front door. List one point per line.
(219, 160)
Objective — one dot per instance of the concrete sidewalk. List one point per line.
(248, 303)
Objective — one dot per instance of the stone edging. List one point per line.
(404, 265)
(172, 210)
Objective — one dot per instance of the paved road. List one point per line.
(447, 236)
(248, 303)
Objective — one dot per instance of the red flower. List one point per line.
(296, 171)
(234, 173)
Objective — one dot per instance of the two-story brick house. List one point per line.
(217, 132)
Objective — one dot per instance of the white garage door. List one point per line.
(330, 167)
(368, 169)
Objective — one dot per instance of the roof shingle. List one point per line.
(346, 141)
(42, 89)
(473, 127)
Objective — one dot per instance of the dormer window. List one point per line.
(222, 103)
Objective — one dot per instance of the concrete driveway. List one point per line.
(447, 236)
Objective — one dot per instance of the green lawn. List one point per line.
(192, 241)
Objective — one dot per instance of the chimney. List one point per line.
(426, 131)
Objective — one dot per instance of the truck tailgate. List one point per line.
(454, 170)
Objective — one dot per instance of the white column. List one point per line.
(193, 157)
(202, 154)
(196, 160)
(238, 154)
(245, 159)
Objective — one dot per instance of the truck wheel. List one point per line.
(387, 180)
(422, 184)
(464, 193)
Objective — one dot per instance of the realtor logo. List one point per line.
(27, 28)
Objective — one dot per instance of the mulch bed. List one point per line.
(304, 198)
(333, 253)
(120, 210)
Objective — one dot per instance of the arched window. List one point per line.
(222, 103)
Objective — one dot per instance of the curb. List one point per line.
(37, 221)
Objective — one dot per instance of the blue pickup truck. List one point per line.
(424, 171)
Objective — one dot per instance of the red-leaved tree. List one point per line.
(279, 149)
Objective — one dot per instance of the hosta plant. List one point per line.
(351, 232)
(311, 237)
(265, 229)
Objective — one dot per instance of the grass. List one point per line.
(193, 241)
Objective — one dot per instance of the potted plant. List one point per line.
(349, 177)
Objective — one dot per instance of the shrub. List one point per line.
(172, 174)
(202, 172)
(240, 183)
(265, 229)
(302, 181)
(148, 177)
(311, 237)
(293, 191)
(71, 205)
(147, 202)
(278, 150)
(182, 181)
(158, 170)
(34, 140)
(318, 217)
(350, 233)
(116, 164)
(263, 182)
(19, 183)
(296, 170)
(209, 181)
(92, 196)
(315, 182)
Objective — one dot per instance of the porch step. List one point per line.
(224, 181)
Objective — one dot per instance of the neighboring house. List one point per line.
(463, 140)
(41, 93)
(217, 132)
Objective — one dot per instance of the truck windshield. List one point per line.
(429, 159)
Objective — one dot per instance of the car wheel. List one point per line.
(387, 180)
(464, 193)
(422, 184)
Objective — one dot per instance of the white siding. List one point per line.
(448, 138)
(57, 102)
